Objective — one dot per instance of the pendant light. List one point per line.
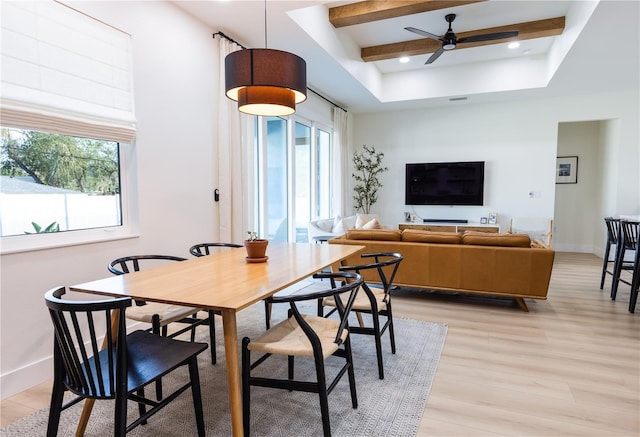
(265, 81)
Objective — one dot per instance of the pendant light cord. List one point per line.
(265, 24)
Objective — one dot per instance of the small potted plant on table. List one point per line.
(256, 248)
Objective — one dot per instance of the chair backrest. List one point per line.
(629, 233)
(203, 249)
(351, 283)
(385, 263)
(613, 229)
(77, 326)
(128, 264)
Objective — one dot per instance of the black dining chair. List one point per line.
(160, 315)
(305, 335)
(628, 242)
(374, 300)
(121, 368)
(204, 249)
(613, 237)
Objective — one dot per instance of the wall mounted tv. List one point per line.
(445, 183)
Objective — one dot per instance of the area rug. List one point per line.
(389, 407)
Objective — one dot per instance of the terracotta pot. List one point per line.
(256, 249)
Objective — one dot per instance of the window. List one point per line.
(68, 127)
(294, 185)
(57, 183)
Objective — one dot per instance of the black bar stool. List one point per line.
(628, 241)
(613, 237)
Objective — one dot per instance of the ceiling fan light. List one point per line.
(449, 46)
(265, 68)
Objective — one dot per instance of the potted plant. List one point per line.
(256, 247)
(367, 164)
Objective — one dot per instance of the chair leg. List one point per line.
(246, 387)
(378, 340)
(196, 395)
(267, 313)
(392, 335)
(155, 328)
(142, 408)
(322, 394)
(635, 282)
(605, 264)
(616, 271)
(351, 372)
(212, 337)
(120, 419)
(55, 407)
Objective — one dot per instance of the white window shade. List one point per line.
(65, 72)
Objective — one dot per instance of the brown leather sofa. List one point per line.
(506, 265)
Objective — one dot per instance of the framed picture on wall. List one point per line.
(567, 170)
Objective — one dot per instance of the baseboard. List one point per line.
(577, 248)
(19, 380)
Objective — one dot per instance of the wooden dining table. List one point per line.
(223, 281)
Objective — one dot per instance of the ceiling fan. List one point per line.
(450, 40)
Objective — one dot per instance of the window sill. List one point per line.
(33, 242)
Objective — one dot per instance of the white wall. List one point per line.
(518, 141)
(175, 73)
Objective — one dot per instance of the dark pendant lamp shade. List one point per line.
(265, 81)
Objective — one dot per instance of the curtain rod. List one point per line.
(228, 38)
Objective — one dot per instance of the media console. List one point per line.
(451, 226)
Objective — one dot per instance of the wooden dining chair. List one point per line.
(160, 315)
(204, 249)
(629, 237)
(305, 335)
(374, 300)
(118, 369)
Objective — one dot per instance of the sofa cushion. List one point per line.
(363, 219)
(420, 236)
(490, 239)
(374, 234)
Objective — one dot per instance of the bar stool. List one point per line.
(613, 236)
(628, 242)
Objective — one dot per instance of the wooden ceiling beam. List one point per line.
(528, 30)
(374, 10)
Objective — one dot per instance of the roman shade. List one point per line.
(65, 72)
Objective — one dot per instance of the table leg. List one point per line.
(88, 403)
(233, 370)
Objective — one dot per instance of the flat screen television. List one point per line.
(445, 183)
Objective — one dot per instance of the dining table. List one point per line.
(226, 281)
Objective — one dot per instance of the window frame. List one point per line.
(128, 228)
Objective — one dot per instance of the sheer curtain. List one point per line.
(340, 162)
(232, 160)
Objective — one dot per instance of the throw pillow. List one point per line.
(339, 228)
(372, 224)
(360, 221)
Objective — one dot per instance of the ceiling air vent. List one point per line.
(457, 99)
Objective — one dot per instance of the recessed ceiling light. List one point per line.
(514, 45)
(404, 59)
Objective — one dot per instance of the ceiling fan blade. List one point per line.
(435, 56)
(488, 36)
(423, 33)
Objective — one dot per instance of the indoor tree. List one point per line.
(367, 164)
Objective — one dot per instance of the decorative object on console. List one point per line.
(493, 218)
(483, 220)
(367, 164)
(256, 248)
(567, 170)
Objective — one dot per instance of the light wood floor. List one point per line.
(569, 367)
